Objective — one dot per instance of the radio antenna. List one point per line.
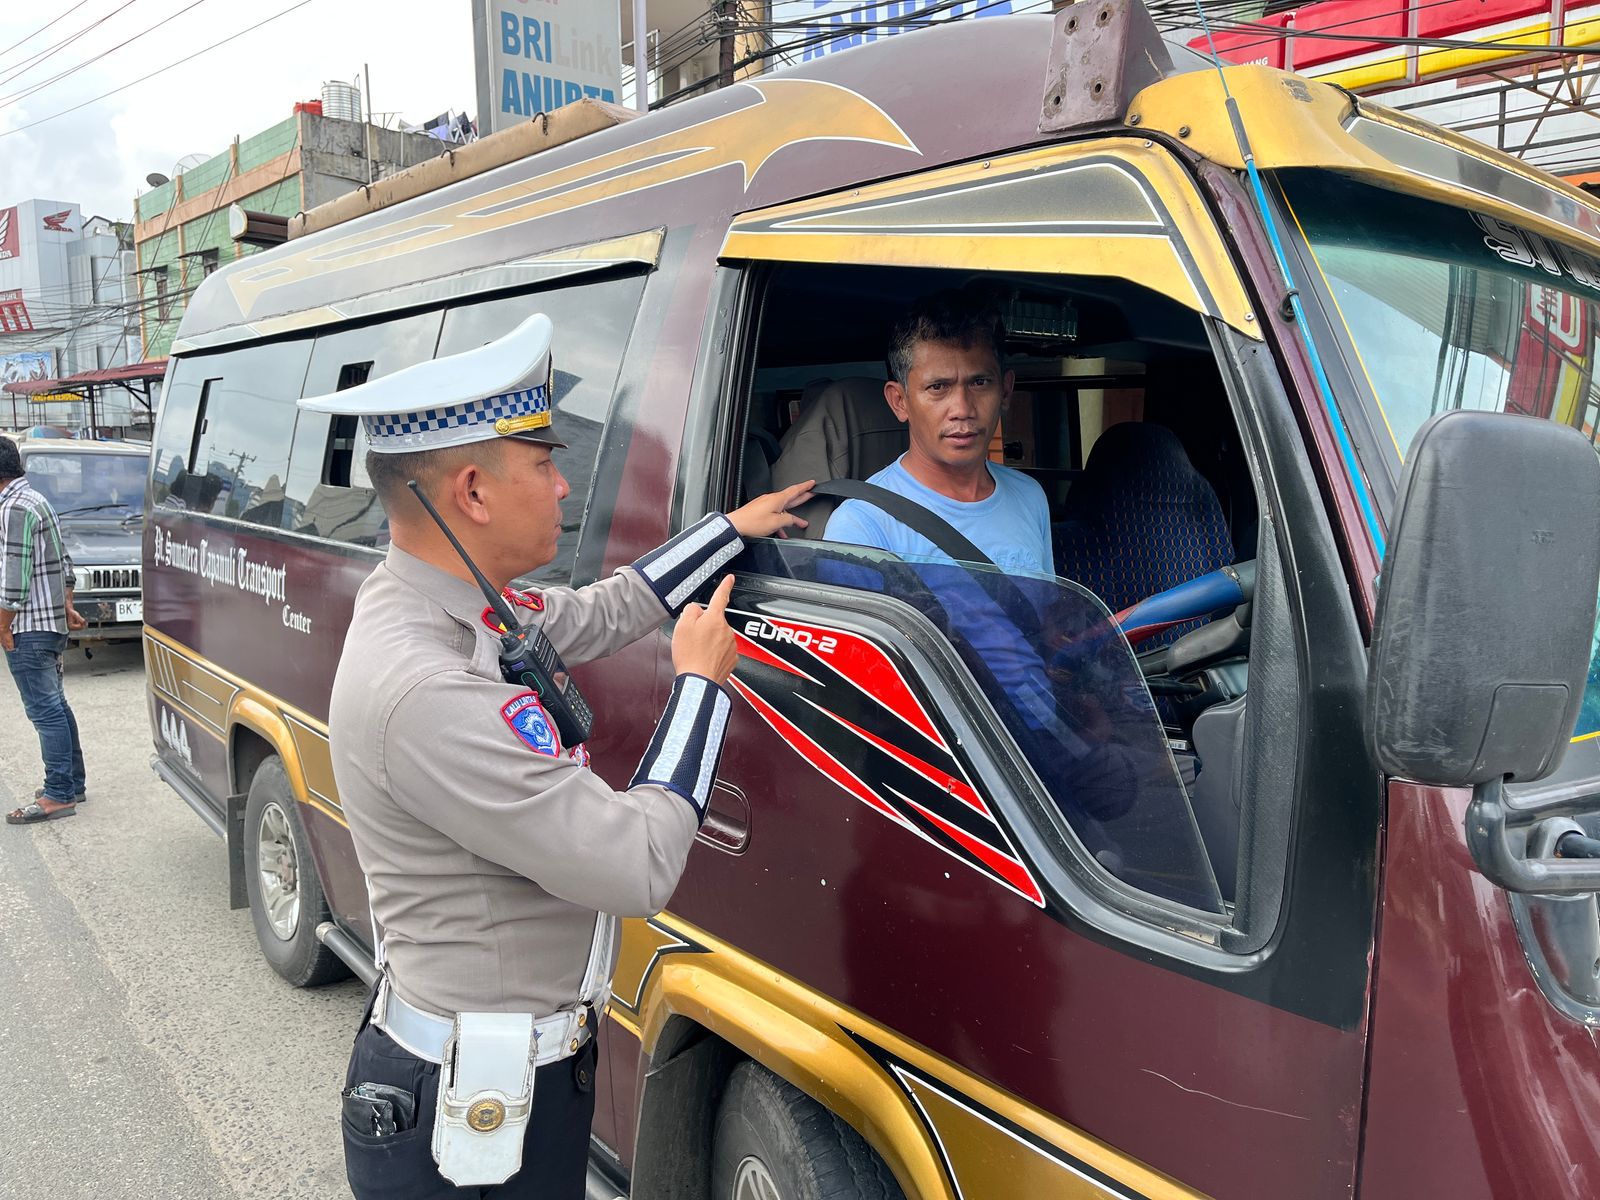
(1292, 307)
(495, 599)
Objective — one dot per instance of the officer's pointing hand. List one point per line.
(769, 514)
(703, 644)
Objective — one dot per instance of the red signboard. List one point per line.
(1554, 354)
(1348, 19)
(1449, 18)
(1261, 46)
(9, 245)
(14, 317)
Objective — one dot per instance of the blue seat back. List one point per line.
(1139, 520)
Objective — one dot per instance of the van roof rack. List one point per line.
(543, 131)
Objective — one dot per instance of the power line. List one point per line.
(43, 27)
(33, 89)
(158, 71)
(39, 56)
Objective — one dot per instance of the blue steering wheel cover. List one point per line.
(1198, 597)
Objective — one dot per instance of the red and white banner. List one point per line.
(1353, 42)
(14, 316)
(10, 244)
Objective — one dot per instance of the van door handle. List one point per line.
(727, 823)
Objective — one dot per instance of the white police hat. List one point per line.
(501, 389)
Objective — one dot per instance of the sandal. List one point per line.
(80, 798)
(32, 814)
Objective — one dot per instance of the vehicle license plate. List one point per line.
(130, 610)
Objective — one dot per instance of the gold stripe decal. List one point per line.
(216, 700)
(1113, 207)
(981, 1150)
(783, 113)
(945, 1131)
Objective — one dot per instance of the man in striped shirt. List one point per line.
(35, 614)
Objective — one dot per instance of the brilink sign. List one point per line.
(818, 28)
(535, 56)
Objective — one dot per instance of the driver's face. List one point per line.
(951, 403)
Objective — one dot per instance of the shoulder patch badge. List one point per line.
(531, 723)
(579, 754)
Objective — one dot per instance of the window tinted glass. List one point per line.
(89, 484)
(329, 493)
(593, 323)
(1064, 683)
(174, 431)
(241, 444)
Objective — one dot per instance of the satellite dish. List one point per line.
(189, 162)
(156, 179)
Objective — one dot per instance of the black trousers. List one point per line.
(555, 1151)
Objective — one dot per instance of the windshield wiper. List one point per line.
(67, 512)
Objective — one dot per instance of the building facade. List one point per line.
(65, 298)
(181, 229)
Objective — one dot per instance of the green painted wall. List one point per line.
(209, 231)
(155, 253)
(212, 173)
(266, 146)
(156, 201)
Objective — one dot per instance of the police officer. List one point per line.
(497, 862)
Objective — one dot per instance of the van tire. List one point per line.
(765, 1125)
(286, 922)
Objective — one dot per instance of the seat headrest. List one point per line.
(1136, 458)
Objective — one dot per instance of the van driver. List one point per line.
(949, 386)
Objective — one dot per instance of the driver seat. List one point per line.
(1139, 520)
(845, 430)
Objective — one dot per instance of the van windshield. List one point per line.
(1447, 308)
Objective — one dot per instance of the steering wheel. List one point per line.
(1219, 591)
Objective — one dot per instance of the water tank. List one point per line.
(341, 101)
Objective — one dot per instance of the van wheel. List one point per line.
(774, 1142)
(280, 877)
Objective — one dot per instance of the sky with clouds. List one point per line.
(420, 53)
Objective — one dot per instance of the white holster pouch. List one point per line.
(485, 1098)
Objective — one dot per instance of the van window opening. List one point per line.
(1120, 413)
(342, 430)
(193, 458)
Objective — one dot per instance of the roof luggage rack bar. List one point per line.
(544, 131)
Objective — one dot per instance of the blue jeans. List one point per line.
(37, 667)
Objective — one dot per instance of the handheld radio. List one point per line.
(527, 656)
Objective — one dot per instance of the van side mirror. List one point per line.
(1485, 621)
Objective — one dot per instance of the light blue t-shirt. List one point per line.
(1011, 526)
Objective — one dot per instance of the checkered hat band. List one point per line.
(486, 411)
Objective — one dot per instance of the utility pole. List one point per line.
(725, 14)
(368, 138)
(641, 60)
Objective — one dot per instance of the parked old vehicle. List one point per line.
(1328, 637)
(97, 490)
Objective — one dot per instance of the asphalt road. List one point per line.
(149, 1050)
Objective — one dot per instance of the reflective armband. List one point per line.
(677, 569)
(687, 745)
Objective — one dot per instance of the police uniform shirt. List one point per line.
(488, 846)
